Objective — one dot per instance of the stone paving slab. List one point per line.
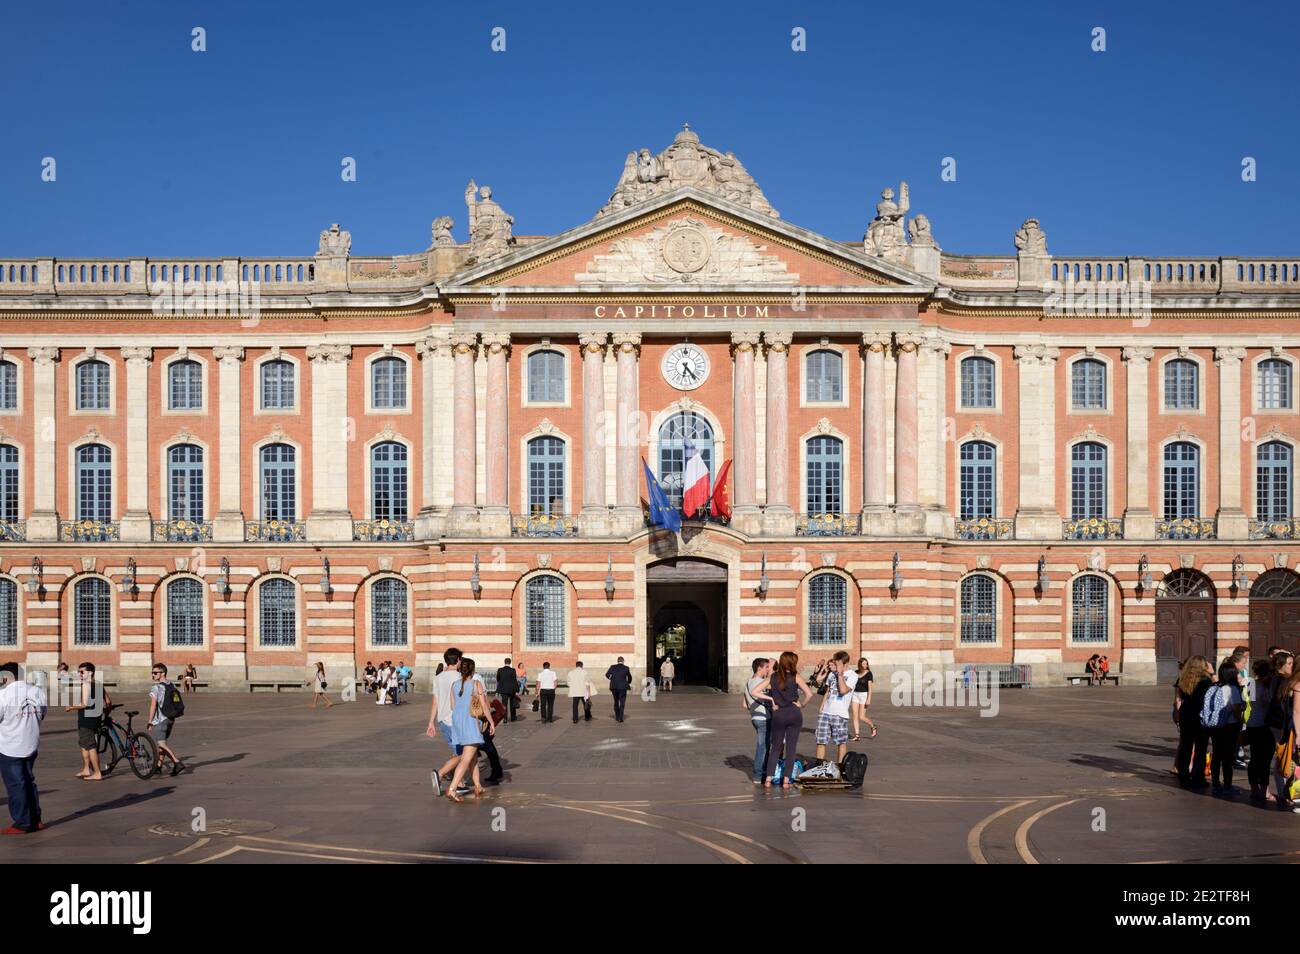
(281, 782)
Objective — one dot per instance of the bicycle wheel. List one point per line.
(143, 755)
(110, 752)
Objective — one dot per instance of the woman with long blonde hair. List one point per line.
(1194, 680)
(783, 690)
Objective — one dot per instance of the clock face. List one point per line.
(685, 367)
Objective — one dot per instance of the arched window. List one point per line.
(278, 609)
(1088, 620)
(683, 432)
(546, 377)
(544, 611)
(92, 385)
(185, 385)
(388, 612)
(1273, 482)
(1087, 481)
(977, 382)
(546, 476)
(8, 482)
(828, 618)
(978, 475)
(825, 473)
(1182, 480)
(388, 481)
(94, 482)
(185, 612)
(277, 385)
(1182, 392)
(185, 482)
(823, 376)
(1088, 384)
(979, 619)
(277, 479)
(8, 386)
(8, 612)
(92, 623)
(1275, 384)
(388, 383)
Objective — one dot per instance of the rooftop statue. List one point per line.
(885, 236)
(489, 226)
(334, 242)
(442, 232)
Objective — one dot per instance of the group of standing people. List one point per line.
(389, 682)
(1239, 707)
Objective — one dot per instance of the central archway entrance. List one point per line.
(1185, 606)
(686, 618)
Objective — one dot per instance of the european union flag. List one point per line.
(662, 513)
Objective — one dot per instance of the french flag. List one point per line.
(695, 481)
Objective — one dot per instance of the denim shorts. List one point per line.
(445, 729)
(161, 730)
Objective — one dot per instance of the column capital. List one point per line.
(497, 343)
(138, 355)
(939, 345)
(1229, 356)
(593, 342)
(433, 345)
(742, 341)
(462, 342)
(1138, 354)
(876, 340)
(231, 354)
(1037, 354)
(43, 355)
(909, 341)
(778, 341)
(627, 342)
(329, 353)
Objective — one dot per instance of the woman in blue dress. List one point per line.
(465, 730)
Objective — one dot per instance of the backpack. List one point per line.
(1214, 710)
(854, 768)
(172, 705)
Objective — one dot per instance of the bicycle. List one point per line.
(116, 741)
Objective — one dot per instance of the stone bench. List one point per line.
(275, 685)
(1084, 678)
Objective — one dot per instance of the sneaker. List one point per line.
(437, 783)
(464, 789)
(14, 830)
(1230, 791)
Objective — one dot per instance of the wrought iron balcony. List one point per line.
(182, 531)
(1093, 528)
(543, 525)
(985, 528)
(274, 530)
(13, 531)
(1188, 528)
(89, 531)
(820, 525)
(383, 530)
(1287, 529)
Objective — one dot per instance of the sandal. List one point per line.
(873, 732)
(455, 798)
(856, 738)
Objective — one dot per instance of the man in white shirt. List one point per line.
(22, 707)
(579, 691)
(833, 720)
(547, 680)
(440, 713)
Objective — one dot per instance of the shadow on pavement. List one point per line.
(123, 801)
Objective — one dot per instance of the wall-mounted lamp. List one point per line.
(763, 581)
(127, 585)
(475, 583)
(326, 586)
(36, 582)
(1144, 575)
(609, 579)
(221, 585)
(1240, 581)
(896, 578)
(1041, 586)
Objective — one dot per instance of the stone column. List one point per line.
(906, 449)
(594, 518)
(43, 520)
(933, 436)
(435, 358)
(1036, 516)
(778, 516)
(136, 522)
(464, 512)
(330, 518)
(1139, 523)
(627, 472)
(495, 516)
(1232, 523)
(876, 516)
(745, 515)
(228, 524)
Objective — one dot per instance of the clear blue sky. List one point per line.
(236, 151)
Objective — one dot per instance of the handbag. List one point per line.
(324, 685)
(476, 705)
(536, 704)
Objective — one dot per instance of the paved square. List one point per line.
(281, 782)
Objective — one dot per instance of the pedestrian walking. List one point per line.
(547, 680)
(165, 707)
(440, 712)
(862, 682)
(579, 688)
(469, 705)
(22, 708)
(620, 681)
(667, 673)
(508, 690)
(319, 685)
(788, 693)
